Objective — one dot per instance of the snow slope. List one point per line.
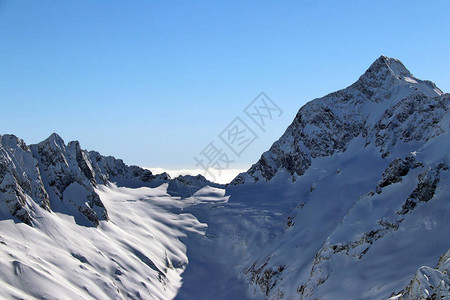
(352, 202)
(329, 235)
(381, 107)
(369, 167)
(70, 227)
(137, 254)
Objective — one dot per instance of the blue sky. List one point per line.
(153, 82)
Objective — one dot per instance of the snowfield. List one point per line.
(352, 202)
(137, 254)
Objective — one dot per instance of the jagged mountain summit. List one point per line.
(352, 202)
(60, 177)
(79, 225)
(63, 178)
(368, 168)
(385, 106)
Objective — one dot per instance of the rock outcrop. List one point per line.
(63, 178)
(385, 106)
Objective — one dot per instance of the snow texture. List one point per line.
(352, 202)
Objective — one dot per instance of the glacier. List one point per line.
(352, 202)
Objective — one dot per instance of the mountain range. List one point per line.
(352, 202)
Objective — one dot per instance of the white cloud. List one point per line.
(222, 176)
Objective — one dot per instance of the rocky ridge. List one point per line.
(369, 164)
(385, 106)
(63, 178)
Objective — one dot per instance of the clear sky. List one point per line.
(154, 82)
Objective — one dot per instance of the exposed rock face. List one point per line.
(61, 177)
(108, 168)
(427, 283)
(20, 179)
(425, 189)
(417, 117)
(264, 277)
(69, 177)
(185, 186)
(396, 170)
(370, 169)
(430, 283)
(369, 206)
(386, 105)
(391, 221)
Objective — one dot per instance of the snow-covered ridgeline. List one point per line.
(351, 202)
(137, 254)
(385, 106)
(369, 167)
(63, 178)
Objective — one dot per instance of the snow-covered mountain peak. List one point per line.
(385, 106)
(352, 202)
(388, 73)
(54, 141)
(394, 65)
(367, 168)
(64, 178)
(11, 141)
